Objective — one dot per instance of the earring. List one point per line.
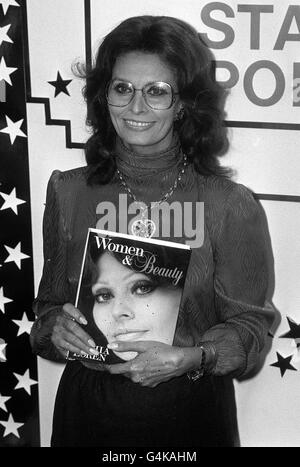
(179, 114)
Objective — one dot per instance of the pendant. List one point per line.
(143, 228)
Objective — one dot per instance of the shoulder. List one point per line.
(67, 183)
(68, 178)
(228, 203)
(221, 194)
(221, 188)
(231, 209)
(66, 187)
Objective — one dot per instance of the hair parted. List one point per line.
(201, 130)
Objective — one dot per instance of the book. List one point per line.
(130, 289)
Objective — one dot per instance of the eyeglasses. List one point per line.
(157, 95)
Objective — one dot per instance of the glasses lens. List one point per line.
(120, 93)
(158, 95)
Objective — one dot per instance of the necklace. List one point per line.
(145, 227)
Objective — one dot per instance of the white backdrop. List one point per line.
(259, 44)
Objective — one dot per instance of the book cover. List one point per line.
(130, 289)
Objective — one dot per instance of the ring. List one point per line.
(72, 319)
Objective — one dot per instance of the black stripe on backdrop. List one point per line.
(274, 197)
(263, 125)
(88, 52)
(19, 424)
(88, 34)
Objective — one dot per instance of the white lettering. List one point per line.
(150, 268)
(109, 245)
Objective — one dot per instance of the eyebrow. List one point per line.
(120, 79)
(127, 276)
(148, 82)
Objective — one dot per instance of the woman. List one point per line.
(157, 119)
(132, 308)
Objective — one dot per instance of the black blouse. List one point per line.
(224, 299)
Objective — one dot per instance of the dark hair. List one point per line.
(201, 131)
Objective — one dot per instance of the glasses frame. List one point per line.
(143, 93)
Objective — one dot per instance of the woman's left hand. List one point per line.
(155, 363)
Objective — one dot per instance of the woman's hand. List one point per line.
(155, 363)
(68, 334)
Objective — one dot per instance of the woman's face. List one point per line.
(129, 306)
(140, 127)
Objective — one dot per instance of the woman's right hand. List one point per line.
(68, 334)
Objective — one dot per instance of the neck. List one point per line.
(132, 163)
(156, 148)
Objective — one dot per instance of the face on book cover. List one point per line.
(130, 306)
(142, 128)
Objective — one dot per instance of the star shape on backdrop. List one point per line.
(294, 332)
(13, 129)
(3, 34)
(11, 201)
(3, 344)
(15, 255)
(6, 71)
(24, 324)
(7, 3)
(283, 363)
(24, 381)
(60, 85)
(3, 300)
(3, 400)
(11, 426)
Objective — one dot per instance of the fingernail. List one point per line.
(82, 320)
(112, 345)
(94, 351)
(91, 343)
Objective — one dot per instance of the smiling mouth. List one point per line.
(129, 335)
(138, 125)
